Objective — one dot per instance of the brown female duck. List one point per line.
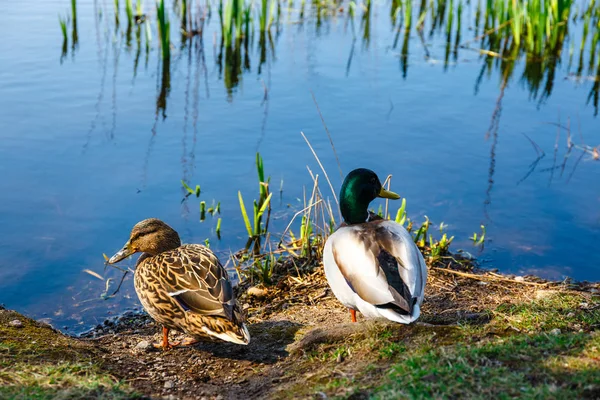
(182, 287)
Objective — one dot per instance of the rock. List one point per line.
(169, 385)
(144, 345)
(555, 332)
(570, 315)
(340, 358)
(257, 292)
(519, 279)
(15, 323)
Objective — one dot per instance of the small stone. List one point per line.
(169, 385)
(340, 358)
(143, 345)
(570, 315)
(555, 332)
(15, 323)
(257, 292)
(519, 279)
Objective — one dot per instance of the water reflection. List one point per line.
(497, 43)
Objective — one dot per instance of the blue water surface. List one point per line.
(85, 153)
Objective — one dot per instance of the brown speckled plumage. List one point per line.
(183, 287)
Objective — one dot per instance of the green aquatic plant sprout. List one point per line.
(191, 191)
(478, 240)
(401, 214)
(257, 229)
(202, 211)
(218, 229)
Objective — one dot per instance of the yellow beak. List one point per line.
(386, 194)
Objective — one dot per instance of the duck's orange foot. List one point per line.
(352, 315)
(165, 345)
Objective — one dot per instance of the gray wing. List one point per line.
(379, 262)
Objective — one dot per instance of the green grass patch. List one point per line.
(518, 353)
(538, 366)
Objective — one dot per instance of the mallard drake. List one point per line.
(182, 287)
(372, 264)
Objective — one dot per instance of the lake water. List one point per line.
(95, 140)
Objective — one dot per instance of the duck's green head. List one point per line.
(150, 236)
(359, 189)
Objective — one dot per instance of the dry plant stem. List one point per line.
(320, 196)
(328, 134)
(388, 181)
(489, 32)
(324, 172)
(488, 277)
(294, 217)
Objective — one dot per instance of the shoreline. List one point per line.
(303, 346)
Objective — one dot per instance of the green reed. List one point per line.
(232, 18)
(63, 21)
(116, 2)
(129, 11)
(163, 29)
(264, 8)
(63, 28)
(257, 229)
(74, 35)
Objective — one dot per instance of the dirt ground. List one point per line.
(285, 322)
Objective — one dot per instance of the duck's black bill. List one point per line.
(386, 194)
(120, 255)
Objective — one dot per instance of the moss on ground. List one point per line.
(37, 362)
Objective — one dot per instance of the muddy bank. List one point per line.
(521, 336)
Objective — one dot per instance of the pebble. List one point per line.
(257, 292)
(555, 332)
(169, 385)
(143, 345)
(15, 323)
(570, 315)
(340, 358)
